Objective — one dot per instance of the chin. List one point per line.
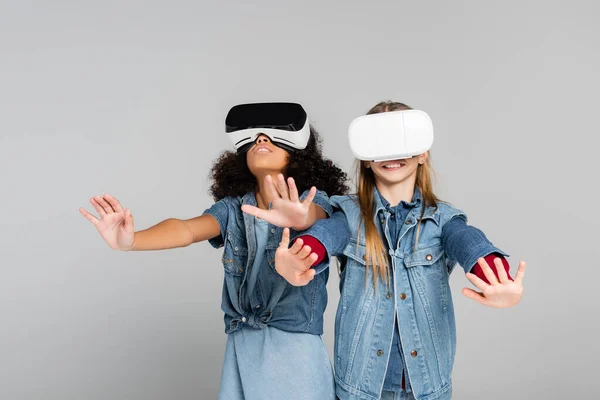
(393, 180)
(264, 168)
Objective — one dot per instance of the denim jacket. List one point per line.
(274, 302)
(419, 291)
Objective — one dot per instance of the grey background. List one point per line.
(130, 97)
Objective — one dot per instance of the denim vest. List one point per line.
(273, 302)
(419, 292)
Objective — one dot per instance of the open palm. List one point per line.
(287, 210)
(501, 292)
(115, 224)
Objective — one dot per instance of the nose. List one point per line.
(263, 139)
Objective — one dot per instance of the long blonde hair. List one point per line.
(376, 253)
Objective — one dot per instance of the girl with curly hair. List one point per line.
(274, 346)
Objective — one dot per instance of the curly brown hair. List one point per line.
(230, 175)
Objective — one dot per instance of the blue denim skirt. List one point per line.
(264, 364)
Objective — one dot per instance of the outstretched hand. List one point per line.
(115, 224)
(501, 292)
(287, 210)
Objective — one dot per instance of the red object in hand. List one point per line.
(490, 260)
(316, 247)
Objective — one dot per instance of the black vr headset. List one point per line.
(286, 124)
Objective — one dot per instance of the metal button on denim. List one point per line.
(243, 319)
(402, 296)
(428, 257)
(408, 222)
(413, 353)
(388, 296)
(379, 353)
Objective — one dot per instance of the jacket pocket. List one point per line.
(357, 252)
(425, 257)
(235, 256)
(428, 267)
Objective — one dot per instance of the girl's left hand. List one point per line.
(499, 293)
(287, 210)
(294, 263)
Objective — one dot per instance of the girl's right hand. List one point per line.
(115, 224)
(287, 208)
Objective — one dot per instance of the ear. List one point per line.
(423, 157)
(367, 164)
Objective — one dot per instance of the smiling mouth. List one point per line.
(262, 149)
(393, 166)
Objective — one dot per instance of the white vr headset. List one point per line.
(286, 124)
(390, 135)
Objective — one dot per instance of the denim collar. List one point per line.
(386, 204)
(250, 199)
(430, 212)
